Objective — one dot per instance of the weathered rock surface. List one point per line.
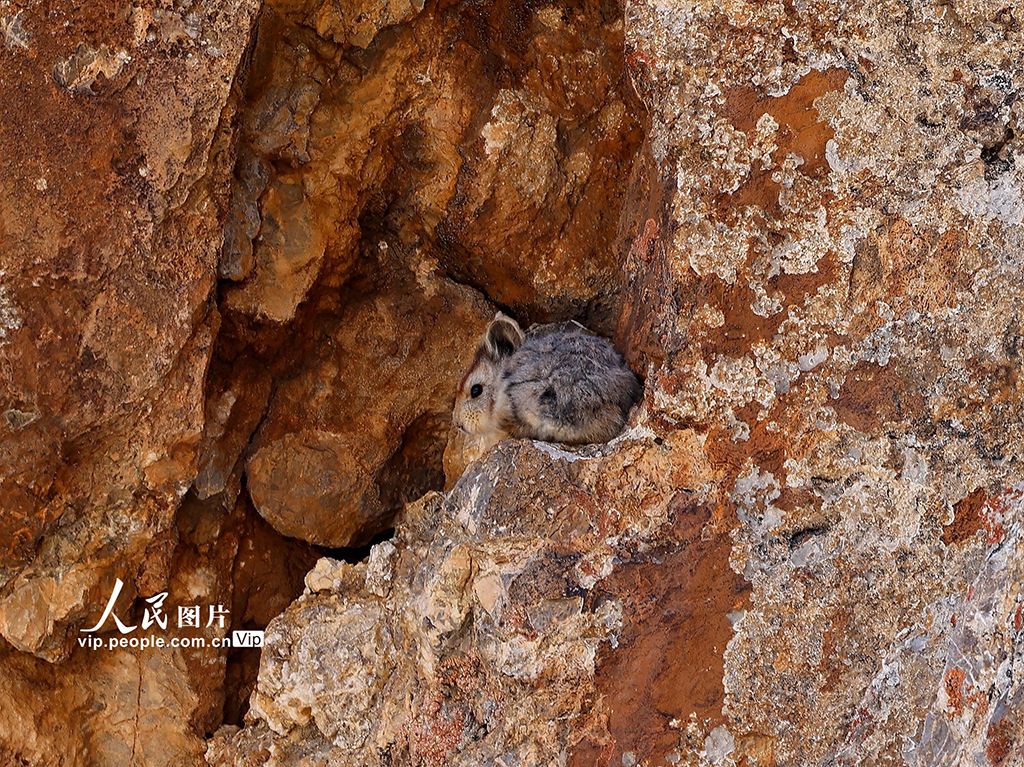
(383, 154)
(360, 428)
(807, 549)
(499, 135)
(115, 166)
(472, 637)
(846, 248)
(803, 223)
(154, 706)
(190, 232)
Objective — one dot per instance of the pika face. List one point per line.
(480, 402)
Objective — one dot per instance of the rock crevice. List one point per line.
(245, 255)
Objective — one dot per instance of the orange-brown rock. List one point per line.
(499, 136)
(155, 705)
(803, 223)
(476, 631)
(359, 428)
(823, 280)
(114, 173)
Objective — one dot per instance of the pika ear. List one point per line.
(503, 337)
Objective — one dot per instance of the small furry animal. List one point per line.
(556, 383)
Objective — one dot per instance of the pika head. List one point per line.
(480, 405)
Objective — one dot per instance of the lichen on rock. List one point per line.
(245, 255)
(483, 641)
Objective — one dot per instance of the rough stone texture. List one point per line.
(108, 251)
(155, 706)
(807, 548)
(192, 284)
(472, 636)
(497, 134)
(846, 251)
(360, 428)
(384, 155)
(804, 227)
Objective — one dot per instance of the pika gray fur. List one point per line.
(556, 383)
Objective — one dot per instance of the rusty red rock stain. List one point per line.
(994, 511)
(668, 663)
(437, 733)
(871, 395)
(643, 246)
(966, 518)
(800, 132)
(999, 743)
(954, 690)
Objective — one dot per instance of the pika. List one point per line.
(555, 383)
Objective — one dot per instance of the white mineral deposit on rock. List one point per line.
(802, 225)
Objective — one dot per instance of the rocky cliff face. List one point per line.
(245, 251)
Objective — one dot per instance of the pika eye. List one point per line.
(476, 390)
